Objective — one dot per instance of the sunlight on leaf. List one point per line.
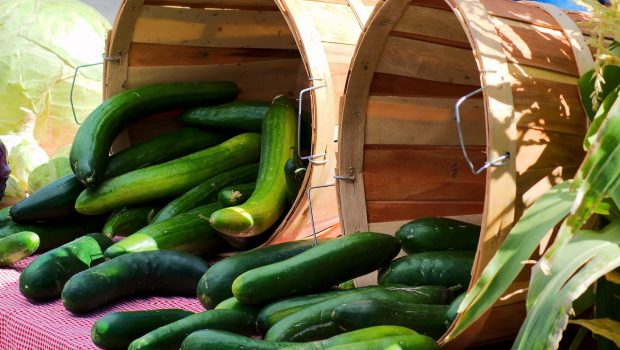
(599, 118)
(613, 277)
(605, 327)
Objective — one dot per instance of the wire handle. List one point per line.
(501, 160)
(301, 97)
(75, 72)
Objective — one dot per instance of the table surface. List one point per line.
(27, 326)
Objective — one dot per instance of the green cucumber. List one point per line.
(338, 260)
(452, 311)
(401, 342)
(45, 277)
(171, 178)
(315, 321)
(5, 218)
(443, 268)
(274, 312)
(161, 272)
(206, 192)
(127, 220)
(294, 174)
(17, 247)
(189, 232)
(118, 329)
(55, 234)
(234, 304)
(268, 201)
(424, 319)
(171, 335)
(236, 194)
(89, 152)
(57, 199)
(215, 286)
(238, 115)
(436, 233)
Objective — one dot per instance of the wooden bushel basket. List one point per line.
(267, 48)
(399, 145)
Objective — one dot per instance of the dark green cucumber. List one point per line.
(89, 152)
(234, 304)
(189, 232)
(239, 115)
(17, 247)
(268, 201)
(317, 269)
(235, 195)
(453, 310)
(315, 321)
(171, 335)
(274, 312)
(45, 277)
(424, 319)
(215, 286)
(115, 331)
(127, 220)
(443, 268)
(206, 192)
(294, 174)
(4, 216)
(169, 179)
(436, 233)
(56, 200)
(52, 235)
(161, 272)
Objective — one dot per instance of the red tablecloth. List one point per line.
(26, 326)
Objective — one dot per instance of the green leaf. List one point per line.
(519, 245)
(599, 118)
(611, 75)
(575, 266)
(609, 329)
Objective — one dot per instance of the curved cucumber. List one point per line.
(446, 268)
(452, 311)
(235, 195)
(315, 321)
(171, 178)
(188, 232)
(339, 260)
(127, 220)
(161, 272)
(215, 286)
(206, 192)
(171, 335)
(267, 202)
(234, 304)
(400, 342)
(45, 277)
(239, 115)
(118, 329)
(436, 233)
(424, 319)
(17, 247)
(89, 152)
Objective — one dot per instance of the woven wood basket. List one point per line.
(267, 48)
(399, 147)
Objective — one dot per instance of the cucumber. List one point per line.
(171, 178)
(235, 195)
(239, 115)
(444, 268)
(54, 234)
(206, 192)
(424, 319)
(436, 233)
(4, 216)
(215, 286)
(221, 340)
(294, 174)
(118, 329)
(452, 311)
(57, 199)
(127, 220)
(268, 201)
(89, 152)
(45, 277)
(234, 304)
(188, 232)
(338, 260)
(400, 342)
(171, 335)
(17, 247)
(274, 312)
(161, 272)
(315, 321)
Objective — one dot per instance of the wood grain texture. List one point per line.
(397, 85)
(379, 211)
(520, 12)
(345, 28)
(258, 5)
(439, 24)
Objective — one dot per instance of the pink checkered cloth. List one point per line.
(26, 326)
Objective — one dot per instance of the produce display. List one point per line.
(17, 246)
